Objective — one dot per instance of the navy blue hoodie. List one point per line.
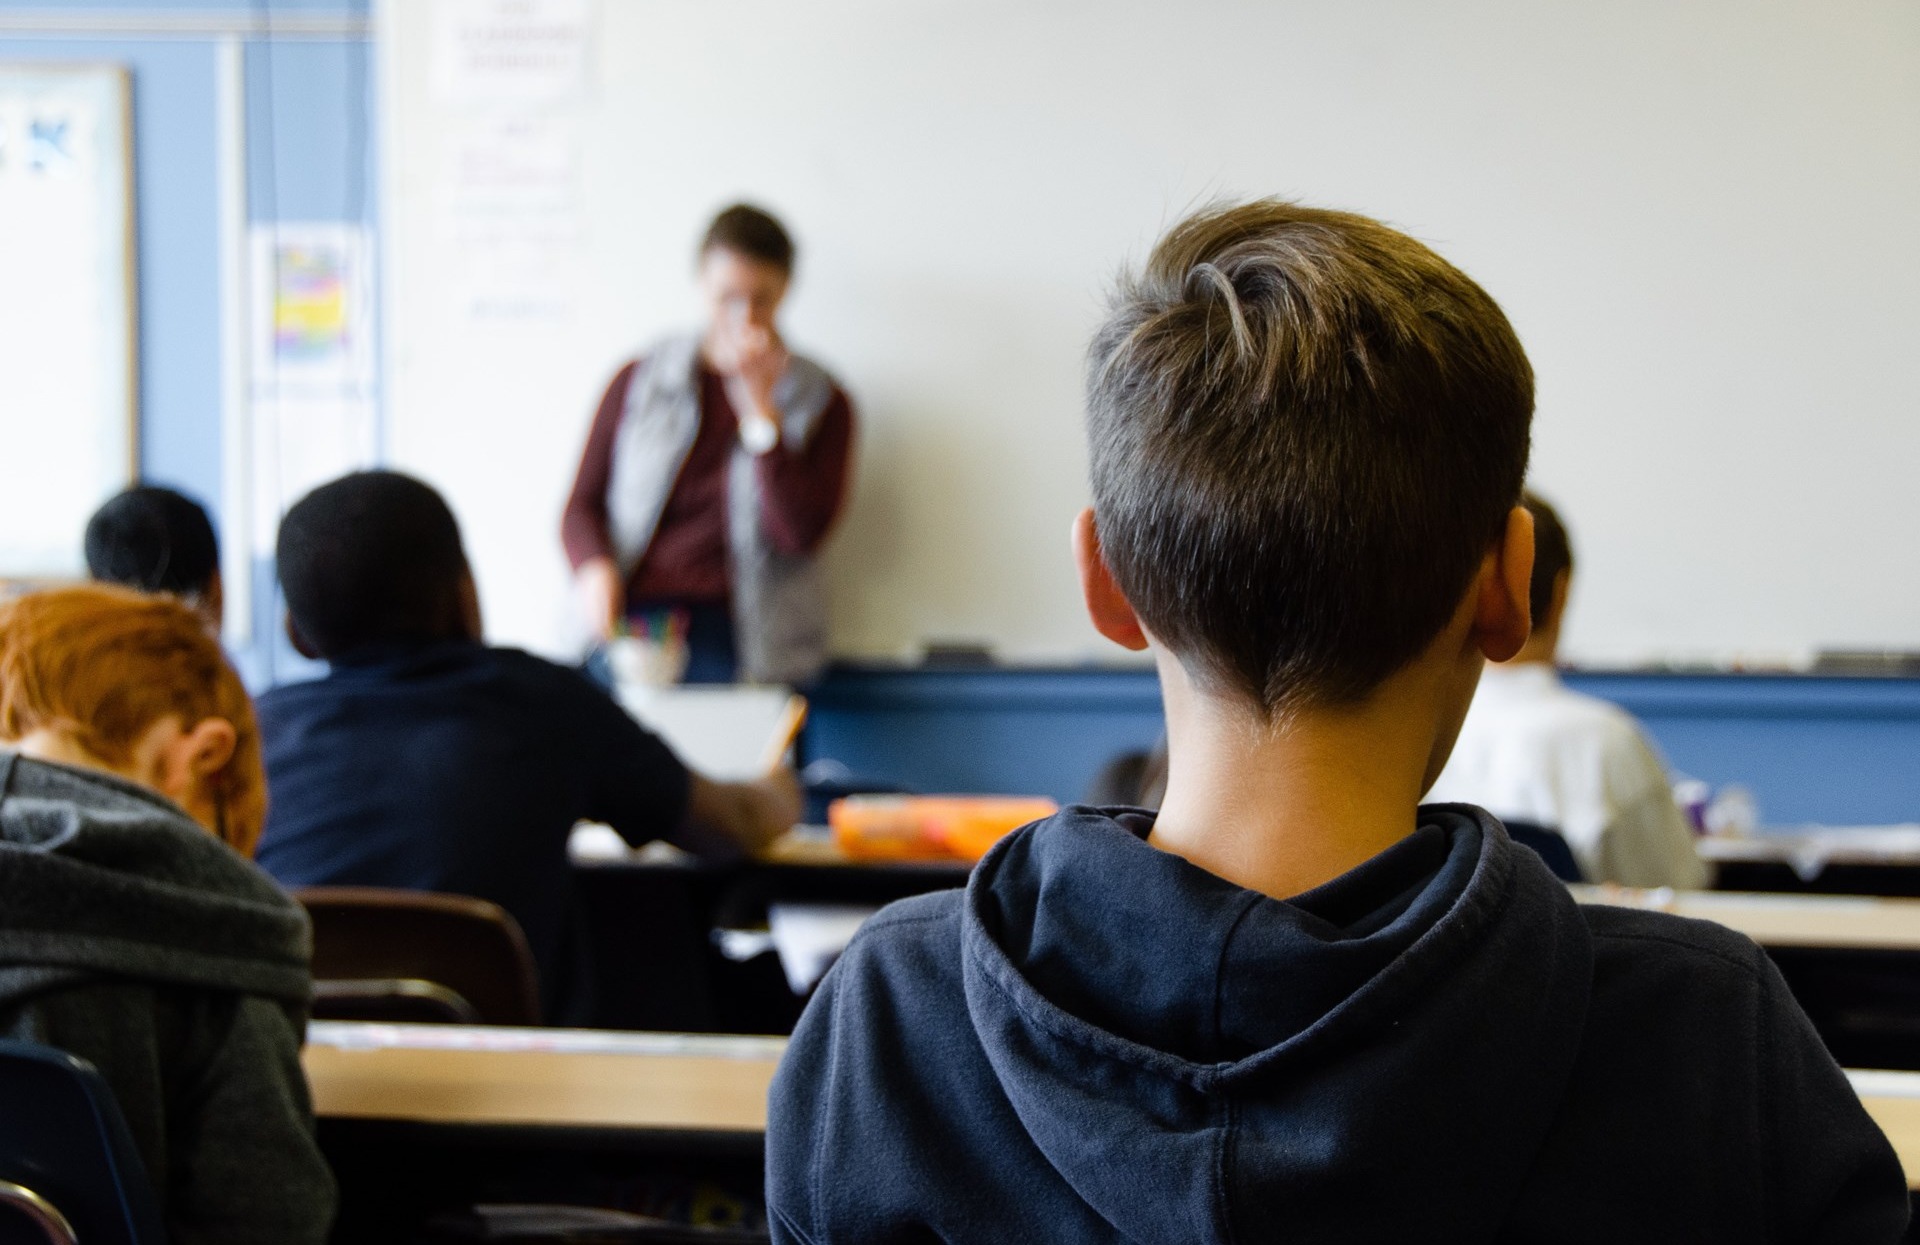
(1098, 1041)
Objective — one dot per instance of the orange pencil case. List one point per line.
(929, 827)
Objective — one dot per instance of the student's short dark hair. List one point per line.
(153, 539)
(1552, 554)
(750, 231)
(1306, 431)
(371, 558)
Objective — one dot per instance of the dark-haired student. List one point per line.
(716, 465)
(1533, 749)
(1296, 1005)
(134, 933)
(157, 539)
(427, 760)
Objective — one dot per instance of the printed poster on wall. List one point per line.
(313, 411)
(513, 52)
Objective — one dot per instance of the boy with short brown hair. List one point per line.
(1295, 1004)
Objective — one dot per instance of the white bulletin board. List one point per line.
(68, 404)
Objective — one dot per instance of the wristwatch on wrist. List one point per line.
(759, 434)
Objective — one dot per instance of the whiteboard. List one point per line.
(1700, 218)
(68, 430)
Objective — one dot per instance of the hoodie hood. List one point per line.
(1382, 1055)
(99, 877)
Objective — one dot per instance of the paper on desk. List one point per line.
(593, 841)
(810, 937)
(723, 732)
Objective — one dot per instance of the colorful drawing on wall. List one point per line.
(312, 414)
(310, 318)
(313, 309)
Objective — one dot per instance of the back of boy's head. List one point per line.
(1306, 431)
(372, 558)
(1552, 555)
(104, 663)
(153, 539)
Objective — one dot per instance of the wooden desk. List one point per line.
(1852, 963)
(670, 904)
(1893, 1100)
(1849, 860)
(1836, 921)
(1813, 849)
(809, 847)
(443, 1074)
(420, 1121)
(634, 1082)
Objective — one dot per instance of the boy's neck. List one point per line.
(1283, 806)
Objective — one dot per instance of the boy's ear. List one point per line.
(1107, 606)
(205, 750)
(1502, 617)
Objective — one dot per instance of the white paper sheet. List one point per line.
(810, 937)
(724, 732)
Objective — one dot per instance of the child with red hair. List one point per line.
(134, 931)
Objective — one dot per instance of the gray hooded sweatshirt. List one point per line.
(133, 938)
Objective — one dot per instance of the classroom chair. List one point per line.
(1551, 846)
(412, 956)
(68, 1168)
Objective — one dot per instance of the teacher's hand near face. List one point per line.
(753, 360)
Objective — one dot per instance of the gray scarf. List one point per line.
(779, 601)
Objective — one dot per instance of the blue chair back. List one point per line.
(63, 1139)
(1551, 846)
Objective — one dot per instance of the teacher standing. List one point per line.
(717, 464)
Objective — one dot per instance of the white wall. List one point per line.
(1701, 218)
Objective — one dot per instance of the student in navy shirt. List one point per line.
(1295, 1005)
(427, 760)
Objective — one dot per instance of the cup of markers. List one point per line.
(650, 649)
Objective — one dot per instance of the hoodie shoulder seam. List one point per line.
(881, 920)
(1223, 1169)
(816, 1161)
(786, 1221)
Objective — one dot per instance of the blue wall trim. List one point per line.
(1755, 695)
(1017, 731)
(1812, 749)
(850, 689)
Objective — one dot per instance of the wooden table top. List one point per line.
(1893, 1100)
(1810, 850)
(446, 1074)
(1838, 921)
(810, 847)
(450, 1074)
